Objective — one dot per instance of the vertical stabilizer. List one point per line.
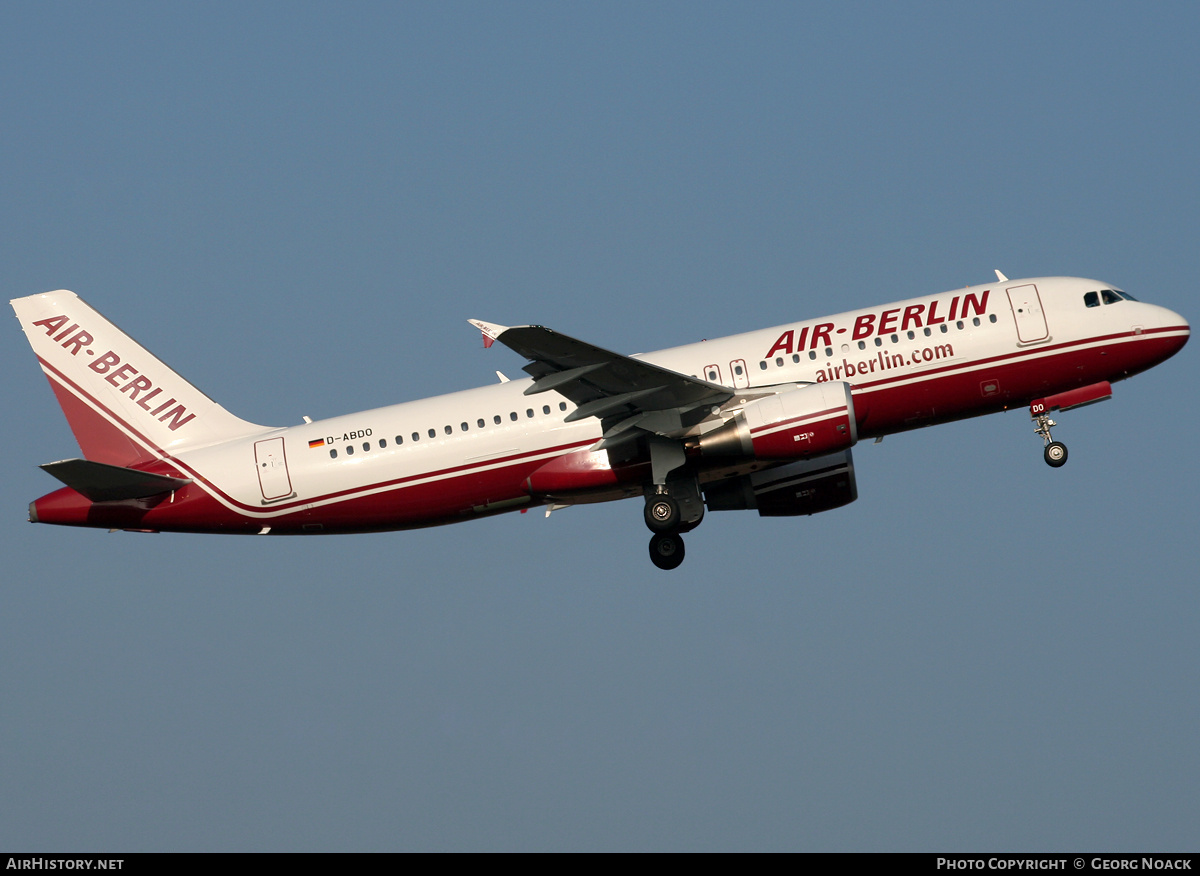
(123, 404)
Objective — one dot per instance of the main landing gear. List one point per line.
(672, 509)
(1055, 452)
(674, 503)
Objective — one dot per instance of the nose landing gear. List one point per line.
(1055, 452)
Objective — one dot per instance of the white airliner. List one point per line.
(758, 421)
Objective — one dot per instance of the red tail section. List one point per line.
(124, 405)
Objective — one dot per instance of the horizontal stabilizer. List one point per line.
(110, 483)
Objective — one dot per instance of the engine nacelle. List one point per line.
(805, 487)
(800, 423)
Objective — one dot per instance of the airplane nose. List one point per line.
(1175, 332)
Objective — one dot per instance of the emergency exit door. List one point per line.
(271, 463)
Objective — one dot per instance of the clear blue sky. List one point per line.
(298, 206)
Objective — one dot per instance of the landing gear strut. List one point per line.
(1056, 452)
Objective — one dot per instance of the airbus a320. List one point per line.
(763, 421)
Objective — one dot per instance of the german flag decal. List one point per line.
(316, 442)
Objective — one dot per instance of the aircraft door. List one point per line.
(741, 378)
(1027, 311)
(712, 373)
(271, 462)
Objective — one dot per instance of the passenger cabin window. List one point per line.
(349, 449)
(433, 433)
(333, 454)
(382, 443)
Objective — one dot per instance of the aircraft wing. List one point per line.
(622, 391)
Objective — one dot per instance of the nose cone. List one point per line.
(1164, 332)
(1177, 331)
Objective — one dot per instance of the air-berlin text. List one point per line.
(126, 378)
(897, 319)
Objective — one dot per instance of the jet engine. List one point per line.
(807, 486)
(799, 423)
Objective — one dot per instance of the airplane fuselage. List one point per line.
(482, 451)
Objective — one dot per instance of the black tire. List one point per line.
(1055, 454)
(662, 514)
(666, 551)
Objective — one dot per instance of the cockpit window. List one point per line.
(1092, 299)
(1125, 295)
(1109, 296)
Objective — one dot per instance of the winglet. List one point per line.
(490, 331)
(1000, 277)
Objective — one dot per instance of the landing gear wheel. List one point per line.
(1056, 454)
(666, 551)
(662, 514)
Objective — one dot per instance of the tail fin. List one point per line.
(123, 404)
